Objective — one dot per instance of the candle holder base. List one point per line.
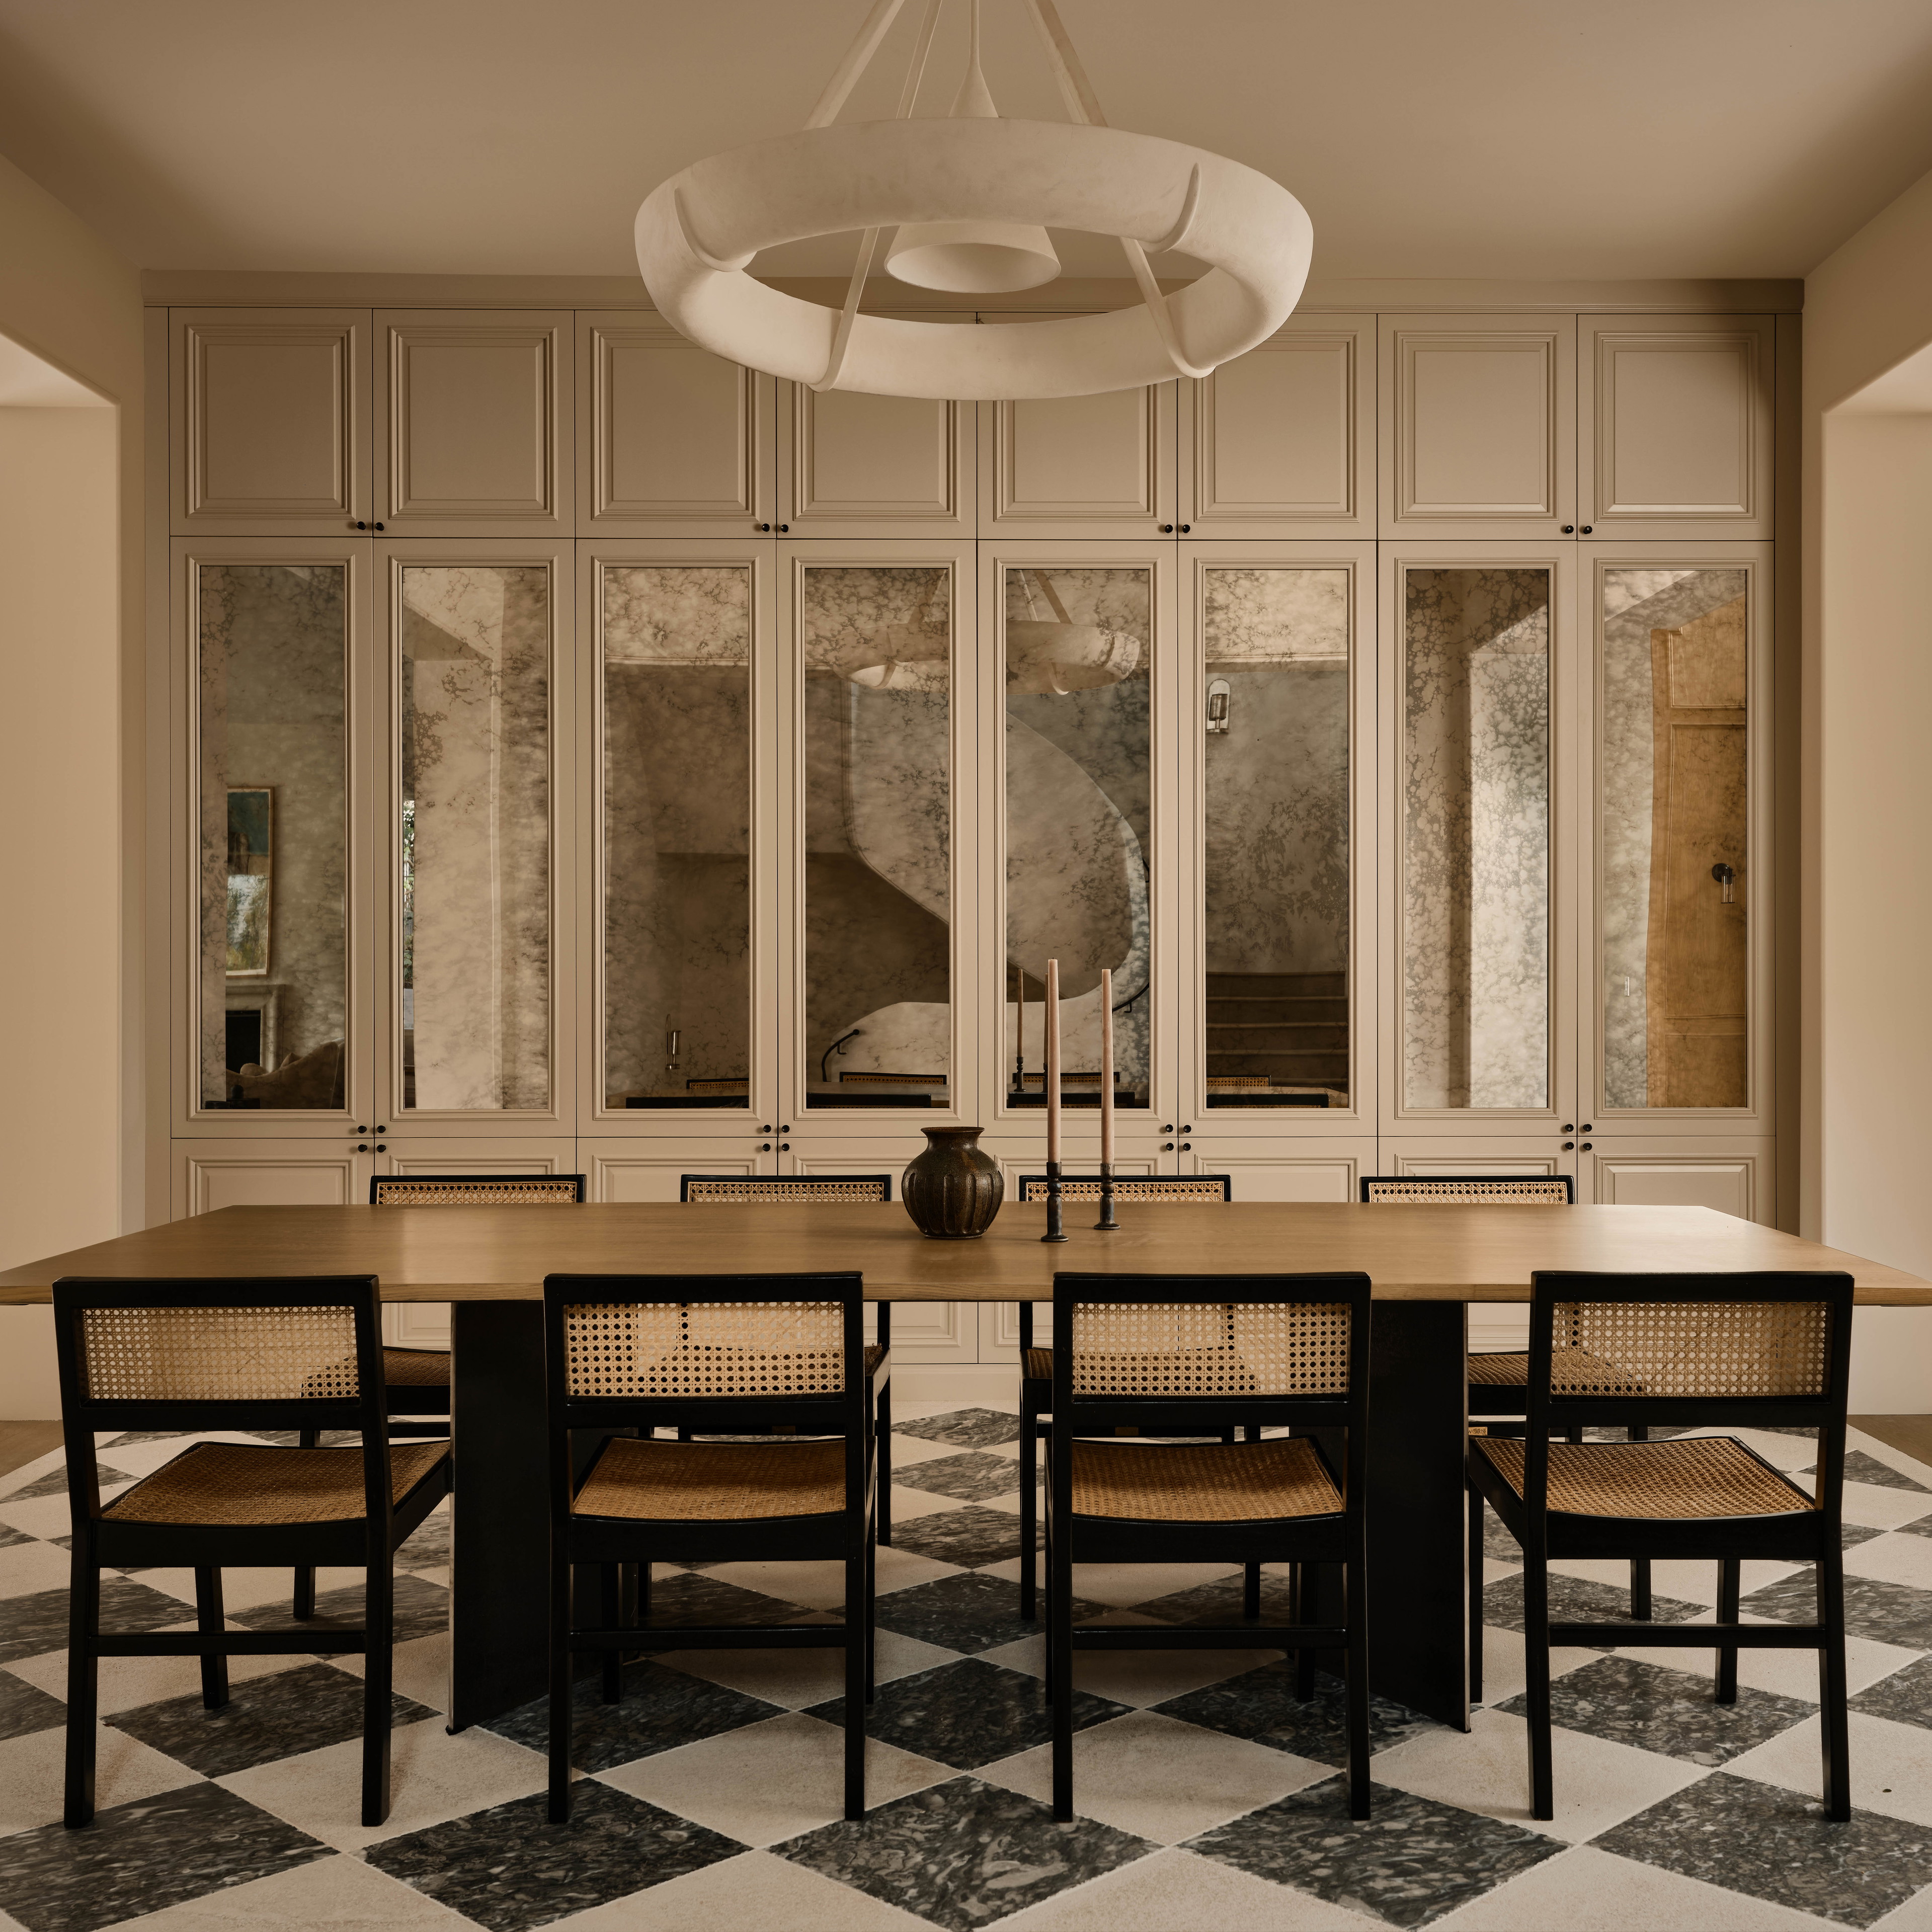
(1055, 1231)
(1106, 1225)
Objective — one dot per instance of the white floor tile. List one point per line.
(32, 1770)
(50, 1516)
(127, 1682)
(755, 1892)
(797, 1678)
(1690, 1582)
(771, 1781)
(909, 1504)
(337, 1894)
(1908, 1466)
(1178, 1890)
(1136, 1677)
(244, 1589)
(420, 1671)
(1791, 1673)
(1890, 1559)
(1597, 1784)
(901, 1569)
(909, 1451)
(1892, 1765)
(433, 1777)
(28, 1568)
(1127, 1584)
(1871, 1504)
(813, 1586)
(28, 1474)
(1159, 1778)
(1503, 1676)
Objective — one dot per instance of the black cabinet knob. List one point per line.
(380, 1148)
(1186, 1145)
(764, 1146)
(1185, 528)
(1167, 529)
(1569, 529)
(361, 1130)
(764, 526)
(784, 1147)
(1586, 530)
(1587, 1128)
(1568, 1146)
(360, 525)
(1166, 1129)
(1569, 1127)
(783, 528)
(1167, 1146)
(362, 1146)
(1184, 1128)
(764, 1130)
(1586, 1146)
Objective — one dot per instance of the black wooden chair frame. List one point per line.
(614, 1543)
(368, 1541)
(1813, 1536)
(1341, 1539)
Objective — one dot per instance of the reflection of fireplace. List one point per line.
(253, 1023)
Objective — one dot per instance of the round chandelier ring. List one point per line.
(698, 232)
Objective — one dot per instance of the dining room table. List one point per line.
(1426, 1264)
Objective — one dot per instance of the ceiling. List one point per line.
(1489, 138)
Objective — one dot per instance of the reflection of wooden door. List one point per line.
(1699, 958)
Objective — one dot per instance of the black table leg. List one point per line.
(1418, 1440)
(499, 1594)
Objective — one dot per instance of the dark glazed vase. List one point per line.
(952, 1190)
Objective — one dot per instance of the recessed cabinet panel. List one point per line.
(1478, 425)
(271, 421)
(471, 410)
(671, 440)
(1736, 1179)
(1490, 1160)
(1280, 442)
(212, 1175)
(618, 1170)
(1276, 1171)
(1674, 427)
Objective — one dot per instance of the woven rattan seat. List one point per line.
(1690, 1476)
(715, 1482)
(1209, 1482)
(231, 1483)
(1570, 1368)
(416, 1368)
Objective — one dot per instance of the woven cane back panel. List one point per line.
(1529, 1191)
(1186, 1190)
(218, 1355)
(534, 1191)
(763, 1188)
(704, 1348)
(1218, 1348)
(1709, 1349)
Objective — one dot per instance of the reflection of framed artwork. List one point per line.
(251, 826)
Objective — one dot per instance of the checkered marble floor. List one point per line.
(1208, 1796)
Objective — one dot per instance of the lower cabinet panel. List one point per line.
(1736, 1178)
(1274, 1170)
(628, 1171)
(209, 1174)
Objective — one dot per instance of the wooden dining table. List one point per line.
(1427, 1263)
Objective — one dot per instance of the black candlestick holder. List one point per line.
(1054, 1231)
(1107, 1224)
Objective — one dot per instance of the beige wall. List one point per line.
(71, 735)
(1868, 707)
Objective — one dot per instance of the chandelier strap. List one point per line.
(858, 57)
(869, 244)
(1083, 105)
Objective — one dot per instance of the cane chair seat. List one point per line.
(1208, 1482)
(416, 1368)
(231, 1484)
(1573, 1368)
(1687, 1477)
(641, 1480)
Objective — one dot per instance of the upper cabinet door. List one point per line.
(671, 440)
(1674, 426)
(271, 409)
(1077, 466)
(857, 466)
(472, 410)
(1280, 442)
(1478, 425)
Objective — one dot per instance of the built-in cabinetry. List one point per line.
(592, 756)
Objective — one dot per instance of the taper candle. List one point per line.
(1053, 1059)
(1106, 1066)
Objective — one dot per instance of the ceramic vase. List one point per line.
(952, 1190)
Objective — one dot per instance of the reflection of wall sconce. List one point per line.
(671, 1037)
(1727, 876)
(1219, 692)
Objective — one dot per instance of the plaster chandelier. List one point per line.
(963, 205)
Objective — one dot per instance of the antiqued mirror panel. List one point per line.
(1078, 804)
(1476, 829)
(677, 645)
(878, 853)
(1675, 889)
(1273, 710)
(271, 649)
(475, 837)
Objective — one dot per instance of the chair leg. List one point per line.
(1475, 1562)
(560, 1689)
(1251, 1591)
(378, 1669)
(1835, 1721)
(1304, 1658)
(858, 1628)
(871, 1622)
(1536, 1668)
(1357, 1692)
(884, 1452)
(304, 1590)
(1029, 1507)
(1730, 1574)
(208, 1620)
(1640, 1604)
(1059, 1663)
(610, 1675)
(83, 1689)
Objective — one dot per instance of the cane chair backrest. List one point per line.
(476, 1190)
(1177, 1189)
(824, 1190)
(1436, 1190)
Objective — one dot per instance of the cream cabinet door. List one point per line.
(1674, 429)
(209, 1174)
(616, 1170)
(859, 465)
(1446, 1155)
(270, 409)
(671, 440)
(1735, 1177)
(1280, 1170)
(1478, 425)
(1281, 441)
(472, 422)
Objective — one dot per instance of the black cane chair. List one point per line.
(1690, 1351)
(633, 1351)
(1184, 1190)
(824, 1190)
(1170, 1355)
(293, 1352)
(416, 1382)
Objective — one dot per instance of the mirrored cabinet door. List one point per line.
(1680, 738)
(679, 776)
(478, 856)
(267, 644)
(1277, 703)
(875, 995)
(1477, 835)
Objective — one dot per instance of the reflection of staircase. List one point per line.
(1291, 1027)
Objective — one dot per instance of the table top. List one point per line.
(1446, 1253)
